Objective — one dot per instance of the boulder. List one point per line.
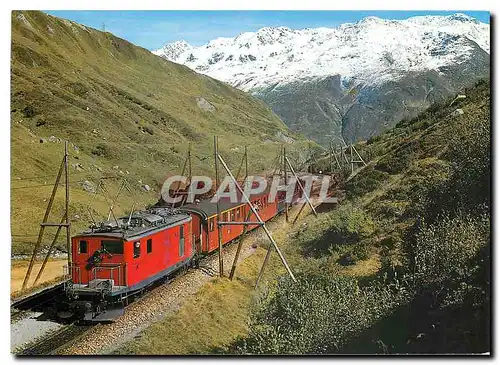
(88, 186)
(203, 104)
(77, 166)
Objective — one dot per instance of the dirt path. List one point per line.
(53, 270)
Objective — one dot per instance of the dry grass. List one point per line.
(52, 273)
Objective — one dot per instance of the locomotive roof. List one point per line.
(206, 208)
(141, 223)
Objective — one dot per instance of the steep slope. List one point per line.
(126, 113)
(356, 293)
(352, 81)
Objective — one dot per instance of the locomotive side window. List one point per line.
(150, 245)
(224, 217)
(113, 247)
(232, 215)
(82, 248)
(181, 241)
(137, 249)
(238, 212)
(211, 224)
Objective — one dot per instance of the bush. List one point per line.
(344, 226)
(29, 112)
(357, 252)
(444, 251)
(100, 150)
(468, 187)
(367, 181)
(316, 315)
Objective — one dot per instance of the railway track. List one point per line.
(34, 302)
(39, 299)
(50, 344)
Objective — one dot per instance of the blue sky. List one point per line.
(152, 29)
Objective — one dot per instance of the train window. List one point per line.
(181, 241)
(238, 212)
(82, 248)
(224, 217)
(211, 224)
(137, 249)
(232, 215)
(113, 247)
(150, 245)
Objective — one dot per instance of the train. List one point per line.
(115, 261)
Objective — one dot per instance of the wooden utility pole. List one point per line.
(352, 161)
(240, 244)
(303, 191)
(190, 165)
(187, 163)
(64, 222)
(259, 222)
(68, 227)
(244, 160)
(219, 227)
(49, 252)
(286, 183)
(247, 221)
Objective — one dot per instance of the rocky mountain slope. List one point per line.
(354, 80)
(126, 113)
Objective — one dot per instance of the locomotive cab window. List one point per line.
(232, 215)
(137, 249)
(181, 241)
(150, 245)
(113, 247)
(82, 247)
(211, 224)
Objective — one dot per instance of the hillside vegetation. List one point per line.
(423, 207)
(401, 266)
(126, 113)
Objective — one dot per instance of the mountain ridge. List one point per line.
(222, 55)
(329, 83)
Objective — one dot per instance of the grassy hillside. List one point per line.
(402, 266)
(422, 206)
(127, 114)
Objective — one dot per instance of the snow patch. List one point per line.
(370, 51)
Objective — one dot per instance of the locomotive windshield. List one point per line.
(113, 247)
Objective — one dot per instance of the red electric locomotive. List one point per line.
(115, 260)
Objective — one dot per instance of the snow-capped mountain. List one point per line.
(364, 55)
(172, 51)
(371, 50)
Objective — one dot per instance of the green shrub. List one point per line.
(101, 150)
(367, 181)
(444, 251)
(316, 315)
(355, 253)
(29, 112)
(345, 226)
